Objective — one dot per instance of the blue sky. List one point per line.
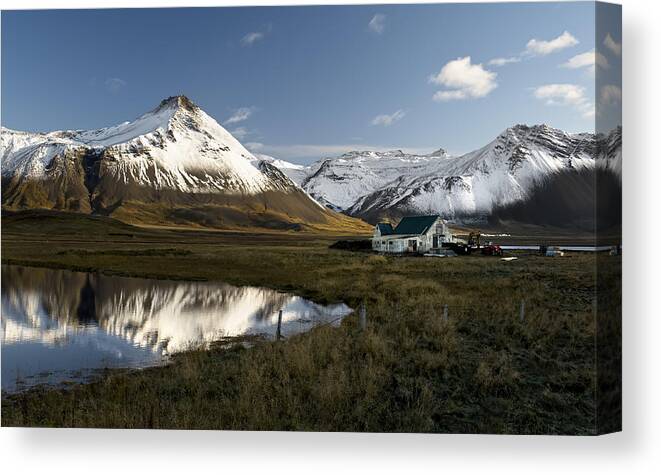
(300, 83)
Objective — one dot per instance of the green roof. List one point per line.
(385, 228)
(415, 224)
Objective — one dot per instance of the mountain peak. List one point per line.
(441, 152)
(524, 131)
(178, 102)
(527, 129)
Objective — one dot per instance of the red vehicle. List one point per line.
(492, 250)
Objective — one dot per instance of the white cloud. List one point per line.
(240, 133)
(566, 95)
(388, 119)
(610, 94)
(504, 61)
(254, 146)
(463, 80)
(251, 38)
(588, 110)
(454, 95)
(239, 115)
(377, 24)
(537, 47)
(589, 59)
(612, 45)
(115, 84)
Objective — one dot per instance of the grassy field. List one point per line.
(481, 371)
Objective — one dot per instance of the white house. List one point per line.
(419, 234)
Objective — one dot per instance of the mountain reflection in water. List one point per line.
(60, 325)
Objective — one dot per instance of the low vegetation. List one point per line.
(411, 370)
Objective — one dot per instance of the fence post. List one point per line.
(278, 333)
(522, 311)
(362, 317)
(445, 312)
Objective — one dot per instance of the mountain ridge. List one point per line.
(376, 185)
(173, 164)
(177, 164)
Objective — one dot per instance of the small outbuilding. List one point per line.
(418, 234)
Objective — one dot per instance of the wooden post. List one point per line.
(362, 317)
(522, 311)
(278, 333)
(445, 312)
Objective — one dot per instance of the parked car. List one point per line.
(458, 248)
(552, 251)
(492, 250)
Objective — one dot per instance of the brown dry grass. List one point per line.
(482, 371)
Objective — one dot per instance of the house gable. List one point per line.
(384, 229)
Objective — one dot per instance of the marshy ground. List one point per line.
(481, 370)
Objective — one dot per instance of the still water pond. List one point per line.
(59, 325)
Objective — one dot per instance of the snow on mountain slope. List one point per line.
(609, 151)
(177, 155)
(193, 153)
(498, 173)
(296, 173)
(172, 164)
(30, 154)
(156, 120)
(373, 184)
(176, 146)
(341, 181)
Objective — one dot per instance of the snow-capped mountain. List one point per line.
(176, 146)
(176, 164)
(296, 173)
(609, 151)
(340, 182)
(373, 185)
(172, 164)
